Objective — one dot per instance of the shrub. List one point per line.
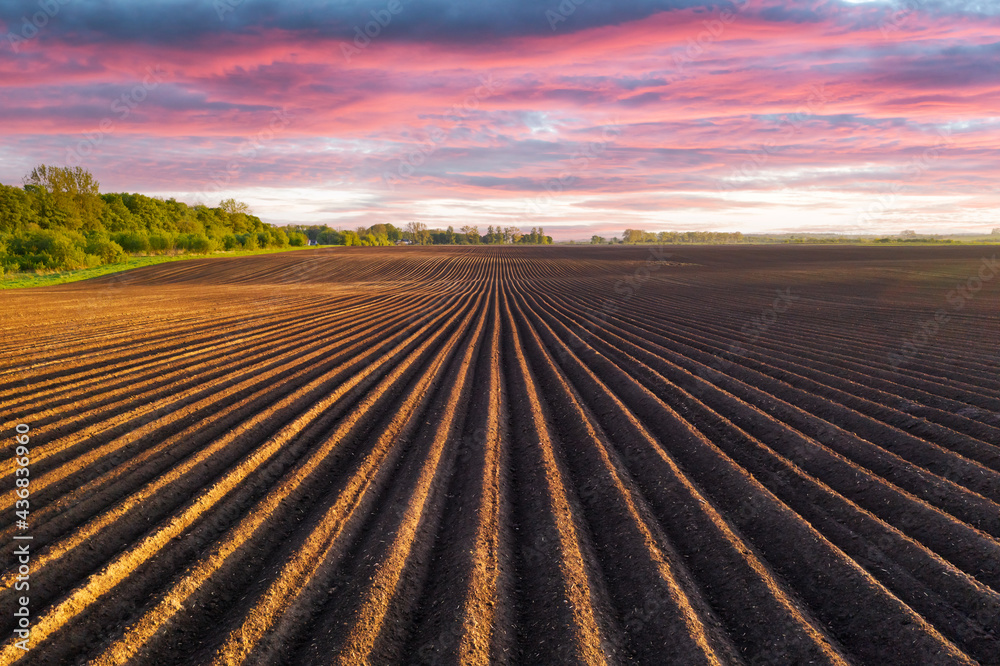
(161, 242)
(330, 237)
(197, 243)
(92, 261)
(106, 250)
(48, 249)
(297, 239)
(279, 238)
(247, 241)
(134, 242)
(100, 246)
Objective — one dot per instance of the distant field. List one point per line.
(552, 455)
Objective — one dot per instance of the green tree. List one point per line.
(471, 233)
(116, 216)
(101, 246)
(632, 236)
(385, 233)
(330, 236)
(74, 192)
(49, 249)
(248, 241)
(16, 211)
(417, 232)
(234, 207)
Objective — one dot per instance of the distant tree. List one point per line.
(471, 233)
(69, 197)
(533, 237)
(597, 240)
(377, 237)
(996, 232)
(633, 236)
(16, 211)
(417, 232)
(909, 233)
(328, 236)
(234, 207)
(85, 228)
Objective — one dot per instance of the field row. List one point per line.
(510, 455)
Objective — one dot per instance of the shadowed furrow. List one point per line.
(477, 455)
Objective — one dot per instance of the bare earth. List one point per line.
(511, 455)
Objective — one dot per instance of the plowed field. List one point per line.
(760, 455)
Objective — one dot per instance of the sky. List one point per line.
(579, 116)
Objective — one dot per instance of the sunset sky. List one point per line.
(581, 116)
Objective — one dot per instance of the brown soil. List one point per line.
(510, 455)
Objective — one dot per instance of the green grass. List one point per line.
(45, 279)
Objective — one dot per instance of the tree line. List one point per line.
(633, 236)
(417, 233)
(60, 220)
